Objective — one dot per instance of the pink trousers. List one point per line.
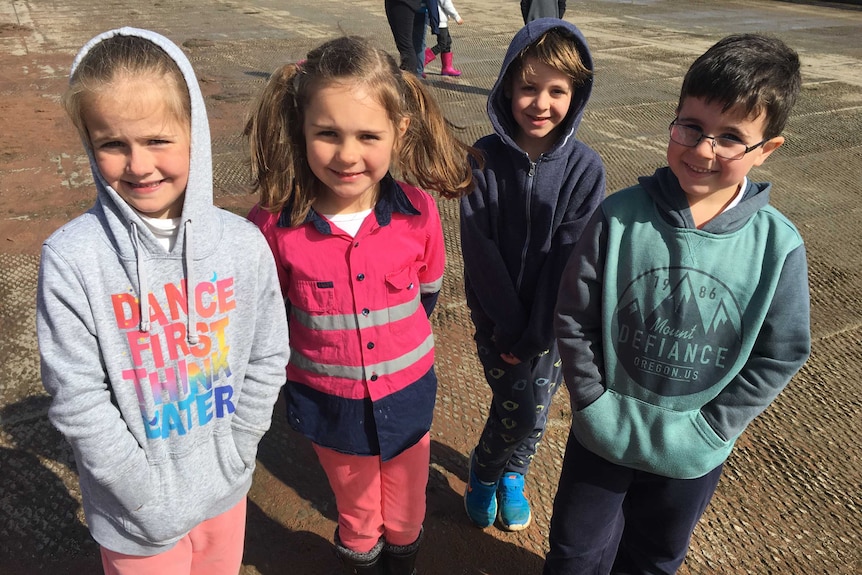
(378, 498)
(213, 547)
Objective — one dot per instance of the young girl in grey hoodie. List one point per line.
(160, 321)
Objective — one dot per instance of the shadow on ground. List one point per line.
(451, 544)
(36, 497)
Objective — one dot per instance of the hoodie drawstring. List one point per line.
(143, 288)
(191, 316)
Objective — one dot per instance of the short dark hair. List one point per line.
(752, 72)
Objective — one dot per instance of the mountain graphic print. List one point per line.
(677, 330)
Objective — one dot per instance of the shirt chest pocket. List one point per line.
(403, 297)
(314, 296)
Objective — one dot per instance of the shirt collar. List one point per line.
(392, 199)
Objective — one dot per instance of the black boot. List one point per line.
(401, 559)
(369, 563)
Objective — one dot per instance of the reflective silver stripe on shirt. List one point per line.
(358, 372)
(374, 318)
(432, 287)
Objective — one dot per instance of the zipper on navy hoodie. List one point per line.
(528, 196)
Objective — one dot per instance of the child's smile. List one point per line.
(350, 141)
(541, 97)
(142, 152)
(710, 182)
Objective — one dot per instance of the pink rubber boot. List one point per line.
(429, 56)
(447, 69)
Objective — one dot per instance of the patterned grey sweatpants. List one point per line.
(518, 412)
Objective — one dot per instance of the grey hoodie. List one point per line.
(162, 392)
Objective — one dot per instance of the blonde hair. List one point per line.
(428, 154)
(556, 49)
(121, 58)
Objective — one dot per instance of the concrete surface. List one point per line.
(789, 501)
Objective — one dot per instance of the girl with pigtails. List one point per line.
(360, 259)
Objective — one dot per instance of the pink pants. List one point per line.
(213, 547)
(378, 498)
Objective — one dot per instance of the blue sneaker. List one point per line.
(514, 509)
(480, 500)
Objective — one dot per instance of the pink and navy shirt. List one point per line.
(361, 377)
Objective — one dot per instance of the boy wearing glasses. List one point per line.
(682, 313)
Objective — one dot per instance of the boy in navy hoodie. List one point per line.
(538, 189)
(682, 313)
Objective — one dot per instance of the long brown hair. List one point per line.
(429, 155)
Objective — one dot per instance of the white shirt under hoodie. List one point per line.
(162, 392)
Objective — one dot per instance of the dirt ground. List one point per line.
(789, 501)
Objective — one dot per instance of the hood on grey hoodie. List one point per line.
(665, 190)
(128, 234)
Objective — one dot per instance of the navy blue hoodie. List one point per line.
(520, 224)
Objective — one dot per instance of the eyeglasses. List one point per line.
(722, 146)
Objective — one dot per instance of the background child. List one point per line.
(361, 260)
(401, 16)
(446, 10)
(669, 347)
(536, 193)
(535, 9)
(427, 16)
(160, 323)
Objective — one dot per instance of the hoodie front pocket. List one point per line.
(189, 487)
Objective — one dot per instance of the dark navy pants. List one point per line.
(519, 410)
(401, 15)
(613, 519)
